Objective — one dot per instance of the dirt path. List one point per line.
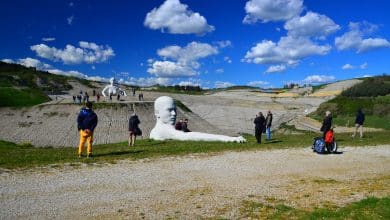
(197, 185)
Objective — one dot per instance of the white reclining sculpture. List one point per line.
(165, 112)
(113, 89)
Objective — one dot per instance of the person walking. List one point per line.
(259, 126)
(359, 123)
(86, 123)
(326, 123)
(134, 130)
(268, 123)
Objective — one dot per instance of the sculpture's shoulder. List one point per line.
(162, 132)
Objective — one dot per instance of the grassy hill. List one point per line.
(372, 96)
(23, 86)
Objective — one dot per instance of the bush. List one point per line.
(381, 110)
(370, 87)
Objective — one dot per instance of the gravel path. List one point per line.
(196, 185)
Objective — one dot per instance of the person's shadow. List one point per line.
(119, 153)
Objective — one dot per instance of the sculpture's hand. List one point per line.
(239, 139)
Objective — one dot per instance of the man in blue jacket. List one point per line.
(86, 123)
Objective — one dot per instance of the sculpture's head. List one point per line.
(165, 110)
(112, 81)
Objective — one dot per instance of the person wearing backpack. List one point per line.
(134, 130)
(86, 123)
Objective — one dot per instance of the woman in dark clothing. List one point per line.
(134, 130)
(259, 126)
(326, 123)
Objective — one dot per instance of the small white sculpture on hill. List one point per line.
(113, 89)
(165, 112)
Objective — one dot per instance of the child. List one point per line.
(329, 140)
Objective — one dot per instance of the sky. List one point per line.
(213, 44)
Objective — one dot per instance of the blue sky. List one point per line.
(215, 43)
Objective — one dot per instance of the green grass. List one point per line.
(21, 97)
(25, 156)
(369, 208)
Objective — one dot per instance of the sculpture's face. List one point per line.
(165, 110)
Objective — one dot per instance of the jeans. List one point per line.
(268, 133)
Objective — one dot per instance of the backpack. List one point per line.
(319, 145)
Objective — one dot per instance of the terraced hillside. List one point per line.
(55, 124)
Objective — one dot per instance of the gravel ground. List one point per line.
(195, 186)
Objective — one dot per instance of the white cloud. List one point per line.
(30, 62)
(8, 61)
(175, 18)
(363, 66)
(170, 69)
(354, 38)
(311, 25)
(220, 70)
(46, 39)
(227, 59)
(86, 53)
(271, 10)
(289, 50)
(223, 44)
(68, 73)
(347, 67)
(70, 20)
(258, 83)
(151, 81)
(220, 84)
(313, 79)
(276, 68)
(184, 60)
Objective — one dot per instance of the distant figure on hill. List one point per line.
(86, 124)
(93, 92)
(326, 123)
(165, 112)
(268, 123)
(134, 130)
(359, 123)
(118, 97)
(97, 97)
(74, 99)
(259, 126)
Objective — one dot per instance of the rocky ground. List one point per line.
(196, 186)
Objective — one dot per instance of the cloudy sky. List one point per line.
(215, 43)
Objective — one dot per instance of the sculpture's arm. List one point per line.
(164, 132)
(104, 91)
